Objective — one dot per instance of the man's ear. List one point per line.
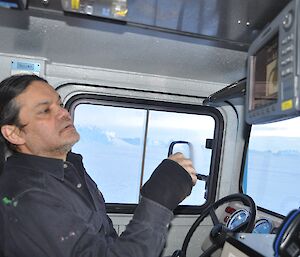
(12, 134)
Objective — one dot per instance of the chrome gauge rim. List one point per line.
(237, 218)
(263, 226)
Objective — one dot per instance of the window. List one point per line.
(121, 146)
(111, 142)
(166, 127)
(272, 172)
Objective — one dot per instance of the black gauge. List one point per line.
(263, 226)
(237, 218)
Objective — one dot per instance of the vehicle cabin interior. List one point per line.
(217, 80)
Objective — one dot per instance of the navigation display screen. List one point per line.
(265, 76)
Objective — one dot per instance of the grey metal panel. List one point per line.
(62, 74)
(131, 84)
(88, 42)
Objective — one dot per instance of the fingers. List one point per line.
(185, 163)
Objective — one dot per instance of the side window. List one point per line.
(272, 171)
(165, 127)
(121, 146)
(111, 142)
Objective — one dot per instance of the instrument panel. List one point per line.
(236, 217)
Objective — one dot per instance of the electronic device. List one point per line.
(273, 87)
(13, 4)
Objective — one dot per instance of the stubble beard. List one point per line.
(64, 149)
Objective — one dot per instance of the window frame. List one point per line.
(158, 105)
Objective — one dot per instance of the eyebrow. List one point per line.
(47, 102)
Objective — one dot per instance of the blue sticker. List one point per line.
(21, 67)
(8, 5)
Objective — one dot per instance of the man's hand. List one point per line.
(171, 182)
(186, 164)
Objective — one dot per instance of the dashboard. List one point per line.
(235, 216)
(258, 243)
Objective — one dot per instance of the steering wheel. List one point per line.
(219, 231)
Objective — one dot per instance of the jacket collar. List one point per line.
(54, 167)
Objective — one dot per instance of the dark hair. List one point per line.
(10, 88)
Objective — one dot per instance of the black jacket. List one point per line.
(53, 208)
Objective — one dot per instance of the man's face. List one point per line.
(49, 129)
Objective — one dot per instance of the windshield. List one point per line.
(272, 169)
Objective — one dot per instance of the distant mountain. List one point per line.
(92, 134)
(132, 141)
(88, 134)
(275, 144)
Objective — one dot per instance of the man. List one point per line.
(50, 206)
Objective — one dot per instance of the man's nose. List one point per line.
(63, 113)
